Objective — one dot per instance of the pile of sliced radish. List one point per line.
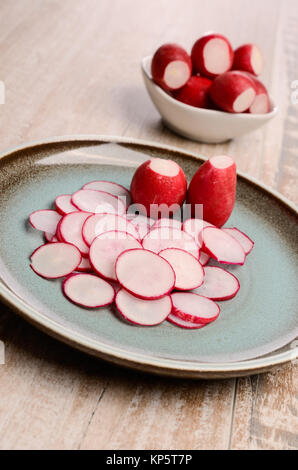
(153, 270)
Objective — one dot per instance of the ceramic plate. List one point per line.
(255, 331)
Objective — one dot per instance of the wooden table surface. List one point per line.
(74, 67)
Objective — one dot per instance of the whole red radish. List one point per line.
(212, 55)
(261, 103)
(159, 186)
(233, 91)
(249, 59)
(171, 67)
(214, 186)
(195, 92)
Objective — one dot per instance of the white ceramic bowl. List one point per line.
(204, 125)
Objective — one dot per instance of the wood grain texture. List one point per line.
(74, 67)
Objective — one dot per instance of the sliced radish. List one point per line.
(45, 220)
(105, 250)
(212, 55)
(163, 222)
(194, 228)
(84, 266)
(145, 274)
(142, 223)
(204, 258)
(64, 205)
(222, 247)
(101, 223)
(233, 91)
(112, 188)
(218, 284)
(90, 200)
(171, 67)
(49, 236)
(88, 290)
(193, 307)
(189, 325)
(246, 243)
(249, 59)
(70, 230)
(188, 270)
(143, 312)
(166, 237)
(54, 260)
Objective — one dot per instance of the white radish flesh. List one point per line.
(89, 200)
(49, 236)
(204, 258)
(163, 222)
(246, 243)
(222, 247)
(100, 223)
(188, 271)
(194, 228)
(189, 325)
(105, 250)
(45, 220)
(70, 230)
(166, 237)
(112, 188)
(88, 290)
(145, 274)
(218, 284)
(64, 205)
(193, 307)
(55, 260)
(84, 265)
(142, 223)
(143, 312)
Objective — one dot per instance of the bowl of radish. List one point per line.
(211, 95)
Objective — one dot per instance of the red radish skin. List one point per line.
(261, 103)
(161, 238)
(109, 187)
(171, 67)
(214, 186)
(70, 230)
(55, 260)
(204, 258)
(233, 92)
(189, 273)
(222, 247)
(105, 250)
(249, 59)
(144, 274)
(45, 220)
(64, 205)
(100, 223)
(159, 186)
(212, 55)
(188, 325)
(89, 200)
(194, 308)
(246, 243)
(88, 290)
(143, 312)
(195, 92)
(218, 284)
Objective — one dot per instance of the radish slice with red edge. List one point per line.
(188, 271)
(194, 228)
(112, 188)
(143, 312)
(54, 260)
(45, 220)
(105, 250)
(84, 266)
(246, 243)
(70, 230)
(189, 325)
(89, 200)
(49, 236)
(64, 205)
(100, 223)
(222, 247)
(218, 284)
(88, 290)
(163, 222)
(144, 274)
(204, 258)
(193, 307)
(167, 237)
